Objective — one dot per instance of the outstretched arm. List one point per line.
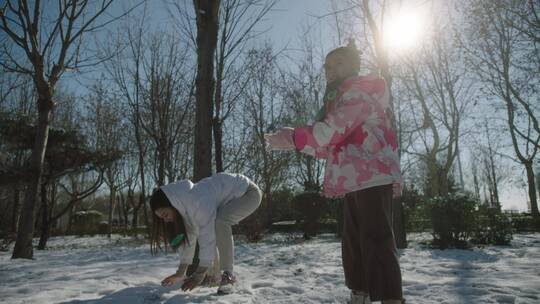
(355, 107)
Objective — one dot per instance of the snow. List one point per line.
(279, 269)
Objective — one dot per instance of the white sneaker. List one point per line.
(359, 298)
(227, 283)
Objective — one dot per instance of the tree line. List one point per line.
(162, 104)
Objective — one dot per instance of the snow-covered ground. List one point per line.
(280, 269)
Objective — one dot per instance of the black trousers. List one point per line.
(369, 253)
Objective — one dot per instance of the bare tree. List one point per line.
(69, 155)
(44, 49)
(238, 19)
(490, 172)
(443, 92)
(127, 72)
(263, 113)
(487, 162)
(106, 127)
(167, 91)
(500, 39)
(17, 102)
(538, 181)
(304, 89)
(207, 16)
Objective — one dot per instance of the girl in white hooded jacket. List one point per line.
(185, 213)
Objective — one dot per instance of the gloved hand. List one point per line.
(195, 279)
(281, 140)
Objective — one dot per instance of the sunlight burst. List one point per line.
(404, 30)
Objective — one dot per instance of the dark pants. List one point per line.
(370, 257)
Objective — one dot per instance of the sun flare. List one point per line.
(403, 30)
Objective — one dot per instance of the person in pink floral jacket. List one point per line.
(354, 133)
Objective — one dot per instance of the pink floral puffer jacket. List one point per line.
(356, 139)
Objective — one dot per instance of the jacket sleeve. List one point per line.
(311, 149)
(207, 243)
(205, 218)
(202, 232)
(355, 107)
(188, 252)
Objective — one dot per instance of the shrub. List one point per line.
(492, 227)
(103, 227)
(280, 206)
(311, 208)
(337, 206)
(254, 226)
(525, 222)
(274, 208)
(453, 220)
(415, 210)
(86, 222)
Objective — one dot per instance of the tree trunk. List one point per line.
(70, 216)
(125, 209)
(119, 216)
(123, 204)
(122, 217)
(460, 167)
(476, 183)
(15, 211)
(207, 12)
(135, 219)
(145, 214)
(491, 172)
(217, 122)
(142, 195)
(161, 163)
(444, 187)
(112, 197)
(532, 189)
(45, 225)
(538, 182)
(432, 182)
(218, 143)
(23, 245)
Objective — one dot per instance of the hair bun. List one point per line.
(351, 46)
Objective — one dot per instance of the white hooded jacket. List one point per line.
(198, 204)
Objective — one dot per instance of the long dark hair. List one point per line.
(161, 230)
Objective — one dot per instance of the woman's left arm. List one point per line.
(206, 239)
(188, 251)
(207, 242)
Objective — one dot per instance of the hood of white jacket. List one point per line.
(178, 194)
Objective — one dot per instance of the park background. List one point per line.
(102, 101)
